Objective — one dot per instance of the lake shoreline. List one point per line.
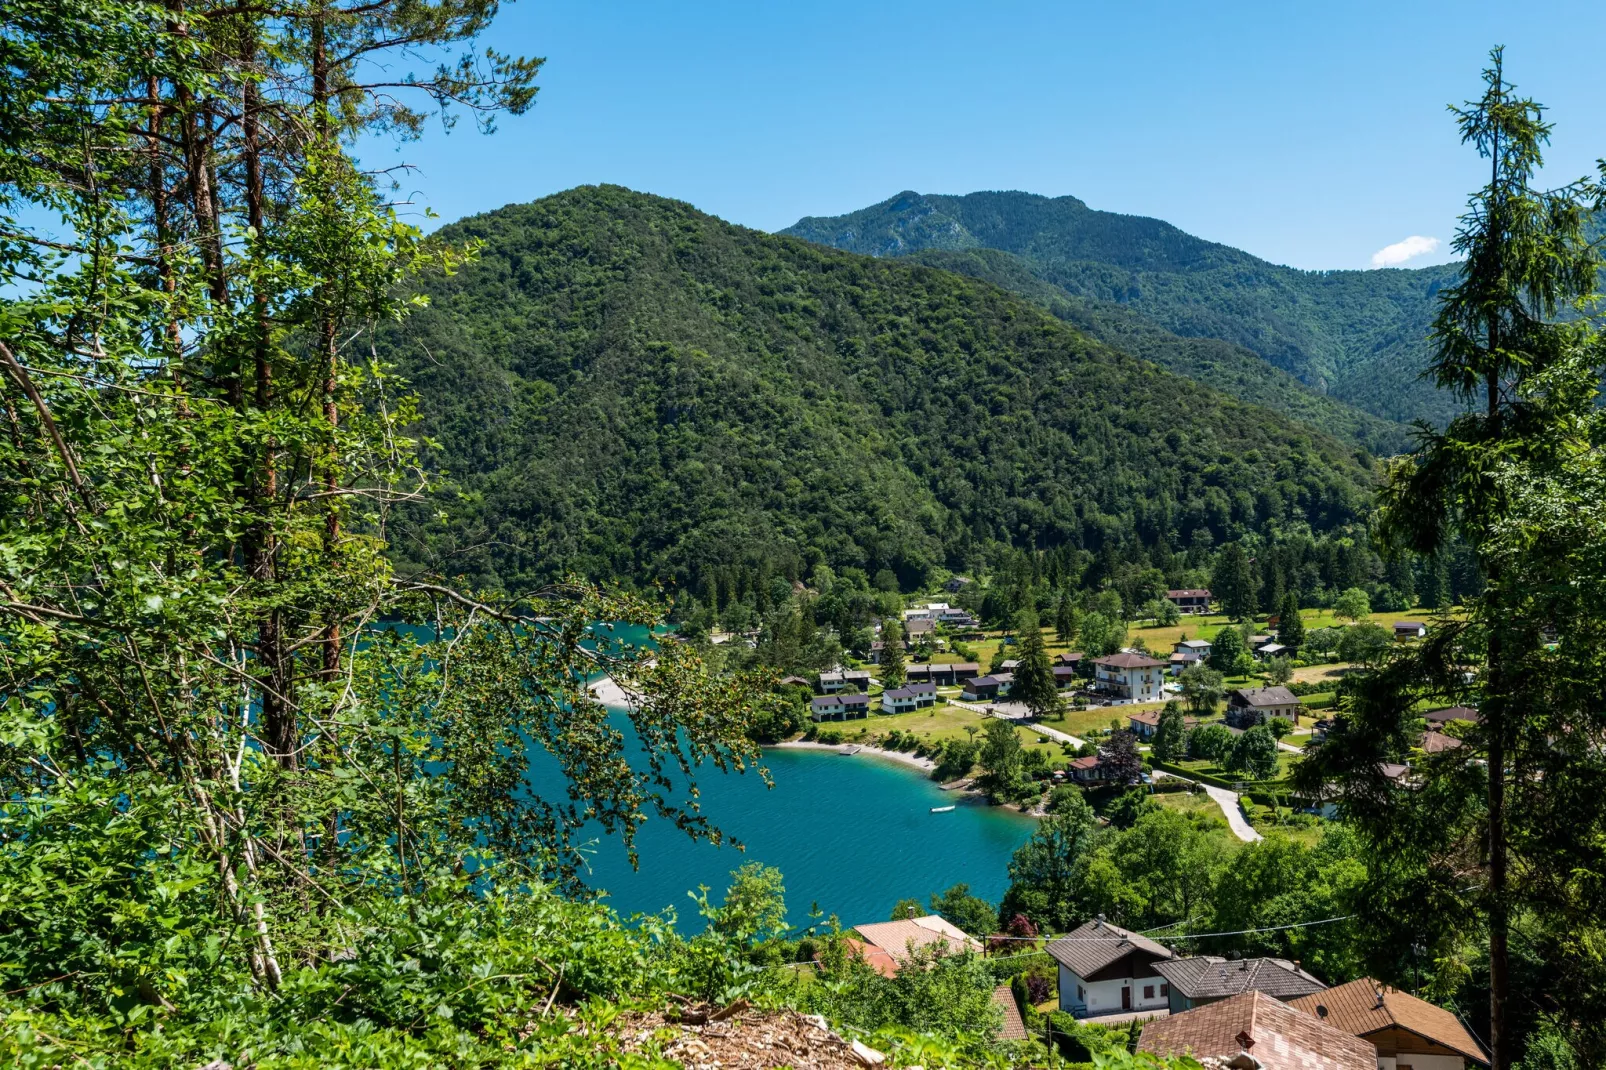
(847, 750)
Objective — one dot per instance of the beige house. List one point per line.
(1405, 1031)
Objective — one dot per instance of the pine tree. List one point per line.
(1290, 626)
(892, 659)
(1170, 735)
(1034, 676)
(1065, 618)
(1233, 582)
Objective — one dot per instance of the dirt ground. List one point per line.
(742, 1036)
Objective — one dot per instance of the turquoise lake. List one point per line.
(853, 834)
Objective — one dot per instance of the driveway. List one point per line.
(1228, 802)
(1012, 711)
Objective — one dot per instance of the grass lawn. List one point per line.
(1096, 718)
(1204, 812)
(1162, 639)
(940, 722)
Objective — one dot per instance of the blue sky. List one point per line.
(1311, 134)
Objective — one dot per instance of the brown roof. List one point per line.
(897, 938)
(1013, 1028)
(1363, 1006)
(1093, 946)
(1213, 977)
(1276, 1035)
(1191, 592)
(1149, 717)
(1454, 713)
(874, 957)
(1090, 762)
(1125, 660)
(1438, 742)
(1266, 696)
(1069, 657)
(1409, 624)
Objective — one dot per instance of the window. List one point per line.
(1148, 991)
(1081, 996)
(1165, 990)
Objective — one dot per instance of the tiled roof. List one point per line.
(824, 701)
(1090, 762)
(1094, 945)
(1212, 977)
(965, 666)
(1363, 1006)
(1149, 717)
(1191, 592)
(896, 938)
(1126, 660)
(855, 700)
(1454, 713)
(1267, 696)
(1069, 657)
(1438, 742)
(1277, 1036)
(1409, 624)
(1013, 1028)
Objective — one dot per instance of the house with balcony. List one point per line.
(1129, 677)
(1190, 600)
(1105, 969)
(909, 698)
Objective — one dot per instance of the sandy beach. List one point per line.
(608, 692)
(902, 757)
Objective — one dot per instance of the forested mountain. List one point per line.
(626, 387)
(1356, 335)
(1226, 366)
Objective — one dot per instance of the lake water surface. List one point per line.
(853, 834)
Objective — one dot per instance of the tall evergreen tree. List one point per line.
(1034, 676)
(1233, 582)
(1290, 625)
(1498, 477)
(1170, 735)
(892, 657)
(1065, 618)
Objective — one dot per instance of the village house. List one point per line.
(1410, 629)
(957, 584)
(1209, 979)
(1404, 1031)
(1014, 1026)
(796, 681)
(877, 648)
(1009, 664)
(955, 617)
(987, 688)
(908, 698)
(1249, 707)
(887, 945)
(1256, 1030)
(920, 628)
(856, 679)
(1129, 677)
(1105, 969)
(1437, 719)
(839, 707)
(1438, 743)
(1066, 676)
(1191, 600)
(1267, 651)
(1193, 651)
(830, 683)
(1089, 770)
(1144, 723)
(1255, 642)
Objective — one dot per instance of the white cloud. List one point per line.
(1401, 251)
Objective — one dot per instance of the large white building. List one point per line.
(1105, 969)
(1129, 677)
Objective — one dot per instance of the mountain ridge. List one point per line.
(1357, 336)
(624, 386)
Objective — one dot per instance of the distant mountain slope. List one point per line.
(623, 386)
(1356, 335)
(1232, 369)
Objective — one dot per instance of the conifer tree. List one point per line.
(1233, 582)
(892, 658)
(1290, 625)
(1034, 676)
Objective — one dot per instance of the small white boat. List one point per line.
(941, 809)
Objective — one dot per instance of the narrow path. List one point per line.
(1042, 730)
(1228, 802)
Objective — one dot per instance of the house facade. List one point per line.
(1193, 651)
(987, 688)
(839, 707)
(909, 698)
(1129, 677)
(1410, 629)
(1105, 969)
(1248, 707)
(1190, 600)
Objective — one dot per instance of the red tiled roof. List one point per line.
(1013, 1028)
(1275, 1035)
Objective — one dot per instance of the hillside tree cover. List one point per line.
(622, 386)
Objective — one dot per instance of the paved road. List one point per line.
(1005, 713)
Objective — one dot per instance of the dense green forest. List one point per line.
(1359, 336)
(623, 386)
(1230, 368)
